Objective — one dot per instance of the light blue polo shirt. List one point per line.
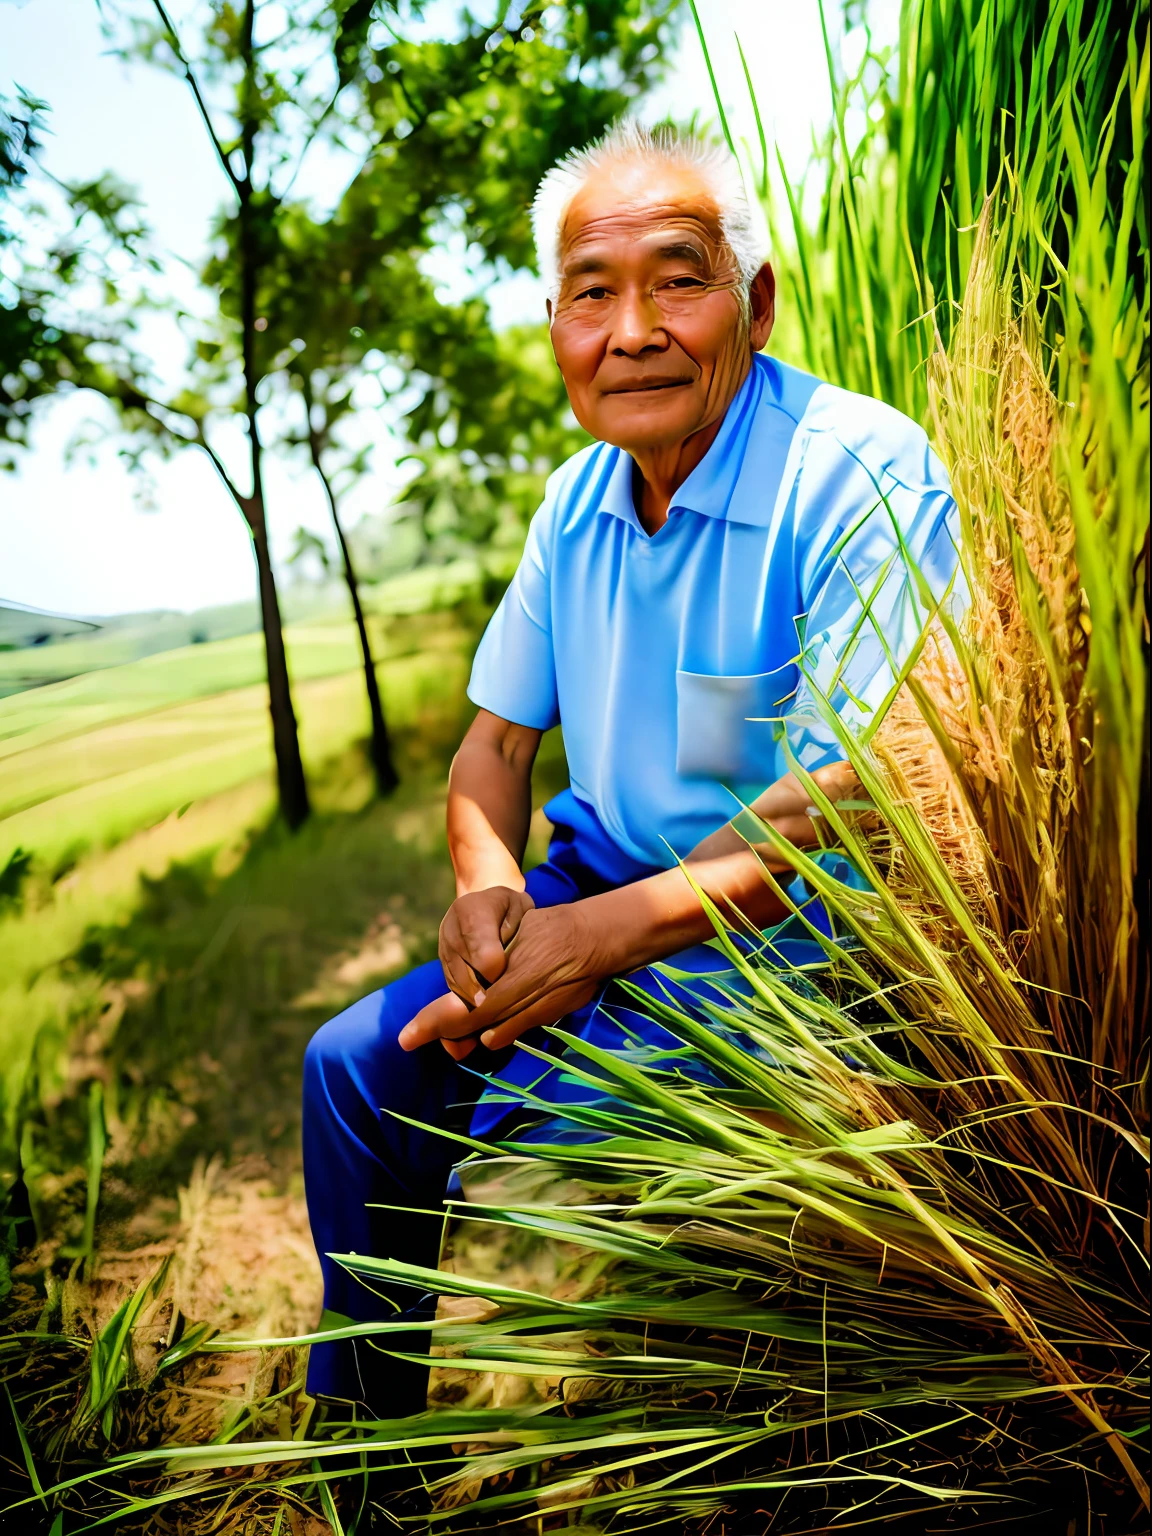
(673, 660)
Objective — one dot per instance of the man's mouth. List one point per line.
(648, 386)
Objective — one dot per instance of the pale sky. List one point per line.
(73, 537)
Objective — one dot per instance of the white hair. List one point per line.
(717, 168)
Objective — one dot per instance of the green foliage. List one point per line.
(471, 124)
(18, 129)
(43, 349)
(883, 270)
(505, 416)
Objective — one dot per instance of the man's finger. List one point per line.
(458, 1049)
(510, 927)
(500, 1035)
(482, 950)
(462, 979)
(467, 940)
(456, 972)
(445, 1016)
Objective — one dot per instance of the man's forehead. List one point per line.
(622, 200)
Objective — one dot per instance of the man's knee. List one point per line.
(348, 1034)
(358, 1049)
(347, 1077)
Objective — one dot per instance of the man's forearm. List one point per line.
(490, 805)
(657, 917)
(662, 915)
(481, 855)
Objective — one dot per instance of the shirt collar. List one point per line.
(739, 477)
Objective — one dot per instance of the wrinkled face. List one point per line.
(648, 327)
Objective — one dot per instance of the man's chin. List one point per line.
(644, 422)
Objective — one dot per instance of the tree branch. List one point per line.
(201, 441)
(189, 75)
(132, 396)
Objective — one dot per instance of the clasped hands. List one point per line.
(511, 967)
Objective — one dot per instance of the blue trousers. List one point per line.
(376, 1184)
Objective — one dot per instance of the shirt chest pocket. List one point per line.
(724, 725)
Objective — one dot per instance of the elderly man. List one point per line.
(733, 516)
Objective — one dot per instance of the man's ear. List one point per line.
(762, 302)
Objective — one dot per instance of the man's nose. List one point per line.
(638, 325)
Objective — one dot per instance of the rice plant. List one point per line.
(879, 274)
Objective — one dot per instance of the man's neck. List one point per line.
(658, 473)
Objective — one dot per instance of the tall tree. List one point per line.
(323, 410)
(249, 154)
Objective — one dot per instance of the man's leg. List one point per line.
(355, 1153)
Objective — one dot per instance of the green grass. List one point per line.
(162, 823)
(89, 761)
(135, 637)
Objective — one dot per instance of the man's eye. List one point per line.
(686, 282)
(593, 293)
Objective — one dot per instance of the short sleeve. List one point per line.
(879, 560)
(514, 672)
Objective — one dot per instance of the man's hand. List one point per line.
(543, 965)
(552, 968)
(476, 930)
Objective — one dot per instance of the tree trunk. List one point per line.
(290, 781)
(293, 790)
(286, 743)
(380, 745)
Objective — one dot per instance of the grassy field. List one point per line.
(98, 755)
(174, 951)
(126, 638)
(174, 944)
